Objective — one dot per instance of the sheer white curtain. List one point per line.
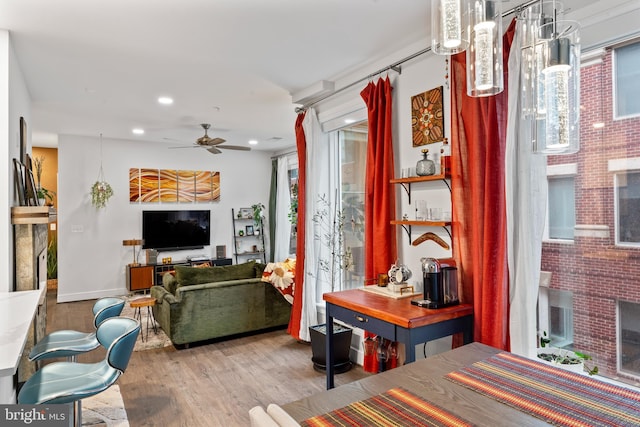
(283, 202)
(317, 163)
(526, 197)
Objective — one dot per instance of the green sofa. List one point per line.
(212, 302)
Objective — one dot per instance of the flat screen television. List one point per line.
(176, 230)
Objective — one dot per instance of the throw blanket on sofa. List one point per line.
(282, 276)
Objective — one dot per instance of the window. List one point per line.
(629, 337)
(353, 156)
(293, 209)
(627, 75)
(628, 205)
(556, 316)
(562, 211)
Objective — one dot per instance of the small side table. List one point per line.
(137, 304)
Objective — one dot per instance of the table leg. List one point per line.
(137, 314)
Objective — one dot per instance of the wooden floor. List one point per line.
(207, 385)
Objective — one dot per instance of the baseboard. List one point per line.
(82, 296)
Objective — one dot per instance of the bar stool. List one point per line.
(70, 382)
(68, 343)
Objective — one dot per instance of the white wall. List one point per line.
(14, 103)
(92, 260)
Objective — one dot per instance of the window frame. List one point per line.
(614, 80)
(617, 167)
(567, 170)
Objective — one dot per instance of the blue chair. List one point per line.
(70, 382)
(69, 343)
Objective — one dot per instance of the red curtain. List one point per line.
(296, 310)
(478, 128)
(379, 206)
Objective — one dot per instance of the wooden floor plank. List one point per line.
(206, 385)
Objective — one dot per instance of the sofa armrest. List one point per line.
(161, 294)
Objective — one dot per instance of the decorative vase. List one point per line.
(425, 166)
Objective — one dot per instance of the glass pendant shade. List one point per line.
(484, 56)
(449, 26)
(534, 54)
(558, 112)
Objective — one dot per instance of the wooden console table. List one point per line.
(394, 319)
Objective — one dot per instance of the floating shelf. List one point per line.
(406, 182)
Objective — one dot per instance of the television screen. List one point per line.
(175, 230)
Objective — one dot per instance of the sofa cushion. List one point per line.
(196, 276)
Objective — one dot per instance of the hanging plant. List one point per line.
(101, 191)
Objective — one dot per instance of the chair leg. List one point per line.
(79, 411)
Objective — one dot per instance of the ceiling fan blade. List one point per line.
(185, 146)
(216, 141)
(235, 147)
(214, 150)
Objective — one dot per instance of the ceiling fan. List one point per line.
(212, 145)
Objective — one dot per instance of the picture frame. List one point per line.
(23, 140)
(18, 173)
(246, 213)
(31, 195)
(249, 230)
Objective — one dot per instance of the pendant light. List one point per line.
(551, 78)
(561, 80)
(449, 26)
(484, 55)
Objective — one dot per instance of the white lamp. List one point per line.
(449, 26)
(484, 56)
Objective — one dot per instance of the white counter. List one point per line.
(16, 315)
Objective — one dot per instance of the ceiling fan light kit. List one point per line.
(213, 145)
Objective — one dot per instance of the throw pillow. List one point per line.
(169, 282)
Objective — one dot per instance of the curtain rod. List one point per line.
(396, 65)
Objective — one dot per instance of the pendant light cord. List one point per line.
(100, 172)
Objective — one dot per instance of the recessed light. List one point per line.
(165, 100)
(253, 142)
(138, 131)
(349, 121)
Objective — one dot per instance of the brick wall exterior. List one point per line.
(595, 270)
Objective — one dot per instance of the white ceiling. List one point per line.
(98, 66)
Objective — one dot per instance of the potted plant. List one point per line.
(52, 264)
(257, 214)
(330, 226)
(45, 196)
(567, 359)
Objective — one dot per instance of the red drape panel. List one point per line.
(478, 128)
(296, 310)
(380, 236)
(379, 206)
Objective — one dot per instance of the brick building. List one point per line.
(594, 290)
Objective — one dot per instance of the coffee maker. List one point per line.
(440, 278)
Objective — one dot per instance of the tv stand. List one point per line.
(142, 277)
